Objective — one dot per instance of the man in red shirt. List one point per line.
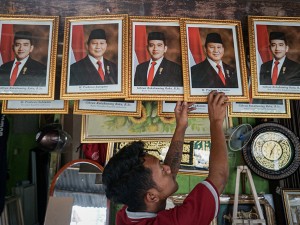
(143, 184)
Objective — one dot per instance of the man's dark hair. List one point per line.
(157, 36)
(126, 179)
(213, 38)
(277, 36)
(97, 34)
(23, 35)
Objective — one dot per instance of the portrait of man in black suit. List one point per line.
(158, 71)
(23, 70)
(281, 70)
(94, 69)
(213, 72)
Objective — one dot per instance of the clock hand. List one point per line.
(271, 153)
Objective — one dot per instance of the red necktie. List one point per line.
(14, 74)
(275, 72)
(221, 75)
(100, 71)
(151, 74)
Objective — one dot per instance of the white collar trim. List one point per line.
(140, 215)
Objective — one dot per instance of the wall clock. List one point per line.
(273, 151)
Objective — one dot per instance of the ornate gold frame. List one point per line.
(96, 91)
(156, 148)
(258, 113)
(158, 92)
(123, 110)
(243, 200)
(148, 127)
(200, 94)
(35, 107)
(35, 92)
(287, 197)
(169, 113)
(284, 24)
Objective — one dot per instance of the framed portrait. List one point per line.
(275, 56)
(155, 70)
(291, 205)
(35, 107)
(108, 107)
(94, 57)
(246, 209)
(213, 59)
(28, 57)
(195, 156)
(261, 108)
(148, 127)
(166, 109)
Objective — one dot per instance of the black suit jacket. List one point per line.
(33, 73)
(84, 72)
(288, 75)
(167, 74)
(204, 76)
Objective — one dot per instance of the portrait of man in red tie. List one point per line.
(158, 71)
(213, 72)
(23, 70)
(94, 69)
(280, 70)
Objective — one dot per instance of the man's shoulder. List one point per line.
(144, 63)
(204, 63)
(7, 64)
(106, 61)
(36, 64)
(291, 62)
(267, 63)
(80, 62)
(171, 63)
(228, 67)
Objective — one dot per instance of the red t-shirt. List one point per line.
(199, 208)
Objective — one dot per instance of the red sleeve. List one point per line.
(199, 208)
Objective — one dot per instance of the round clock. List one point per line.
(273, 151)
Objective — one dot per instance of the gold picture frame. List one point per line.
(291, 202)
(35, 107)
(168, 76)
(261, 56)
(261, 109)
(148, 127)
(35, 75)
(76, 62)
(108, 107)
(166, 109)
(192, 163)
(194, 33)
(246, 208)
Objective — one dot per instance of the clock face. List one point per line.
(273, 151)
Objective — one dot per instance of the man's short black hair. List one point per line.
(213, 38)
(157, 36)
(126, 179)
(23, 35)
(97, 34)
(277, 36)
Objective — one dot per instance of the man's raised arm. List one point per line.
(218, 161)
(174, 155)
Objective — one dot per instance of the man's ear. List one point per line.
(152, 196)
(166, 48)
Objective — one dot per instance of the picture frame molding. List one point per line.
(123, 55)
